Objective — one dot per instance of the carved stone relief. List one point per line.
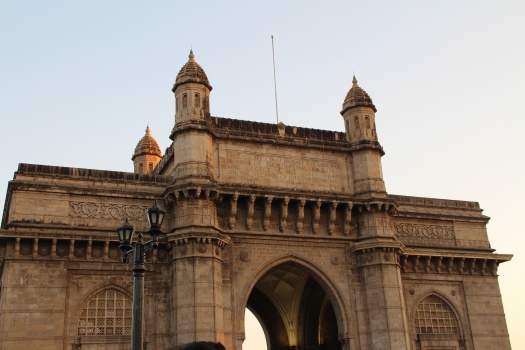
(106, 211)
(428, 231)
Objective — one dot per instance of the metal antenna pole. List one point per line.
(275, 84)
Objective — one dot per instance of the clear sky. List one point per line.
(80, 80)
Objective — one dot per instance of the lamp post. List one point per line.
(136, 253)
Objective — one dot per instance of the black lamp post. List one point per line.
(137, 253)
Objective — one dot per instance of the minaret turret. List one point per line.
(147, 154)
(359, 116)
(192, 140)
(192, 93)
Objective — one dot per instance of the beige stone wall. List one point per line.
(41, 303)
(475, 300)
(286, 167)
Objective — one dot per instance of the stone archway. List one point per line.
(295, 309)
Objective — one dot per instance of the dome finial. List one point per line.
(354, 81)
(147, 130)
(191, 55)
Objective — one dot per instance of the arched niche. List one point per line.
(103, 318)
(436, 324)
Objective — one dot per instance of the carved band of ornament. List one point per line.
(106, 211)
(428, 231)
(200, 240)
(448, 265)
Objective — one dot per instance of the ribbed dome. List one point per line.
(357, 97)
(147, 145)
(191, 72)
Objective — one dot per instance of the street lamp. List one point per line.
(137, 253)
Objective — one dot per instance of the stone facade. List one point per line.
(293, 223)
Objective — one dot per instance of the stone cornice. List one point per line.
(89, 174)
(451, 262)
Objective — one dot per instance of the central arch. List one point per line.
(298, 305)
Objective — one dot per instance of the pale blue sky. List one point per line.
(80, 80)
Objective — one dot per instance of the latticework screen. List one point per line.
(108, 313)
(434, 316)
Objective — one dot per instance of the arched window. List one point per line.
(197, 100)
(434, 316)
(141, 168)
(206, 104)
(108, 313)
(356, 121)
(367, 122)
(184, 101)
(150, 167)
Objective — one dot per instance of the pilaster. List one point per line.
(196, 286)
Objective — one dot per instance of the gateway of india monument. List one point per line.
(294, 224)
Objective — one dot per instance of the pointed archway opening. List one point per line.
(294, 310)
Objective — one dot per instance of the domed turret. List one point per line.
(147, 154)
(191, 72)
(359, 115)
(192, 93)
(357, 97)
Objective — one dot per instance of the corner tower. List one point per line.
(359, 116)
(147, 154)
(192, 141)
(192, 93)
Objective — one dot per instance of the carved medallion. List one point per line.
(202, 248)
(246, 256)
(79, 252)
(96, 253)
(113, 253)
(44, 250)
(25, 248)
(62, 251)
(335, 260)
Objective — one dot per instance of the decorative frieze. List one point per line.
(426, 231)
(203, 246)
(106, 211)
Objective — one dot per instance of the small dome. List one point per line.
(147, 145)
(357, 97)
(191, 72)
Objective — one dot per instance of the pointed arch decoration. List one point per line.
(108, 312)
